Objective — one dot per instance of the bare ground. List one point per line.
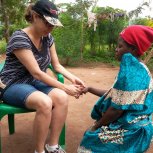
(78, 119)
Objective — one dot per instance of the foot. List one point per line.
(57, 150)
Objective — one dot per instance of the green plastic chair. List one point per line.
(9, 110)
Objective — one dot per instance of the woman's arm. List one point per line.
(97, 92)
(27, 58)
(59, 68)
(109, 116)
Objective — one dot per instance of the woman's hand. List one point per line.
(73, 90)
(81, 86)
(78, 81)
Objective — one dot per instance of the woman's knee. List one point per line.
(59, 97)
(44, 104)
(40, 102)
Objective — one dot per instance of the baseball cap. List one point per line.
(48, 10)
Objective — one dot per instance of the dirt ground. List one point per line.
(78, 119)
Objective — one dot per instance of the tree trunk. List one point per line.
(67, 61)
(82, 40)
(6, 24)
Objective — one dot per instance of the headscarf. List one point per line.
(139, 36)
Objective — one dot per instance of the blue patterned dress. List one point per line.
(133, 131)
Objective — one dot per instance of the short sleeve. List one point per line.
(50, 40)
(131, 88)
(18, 40)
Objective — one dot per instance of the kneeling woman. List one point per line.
(123, 114)
(29, 52)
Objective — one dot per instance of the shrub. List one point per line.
(2, 46)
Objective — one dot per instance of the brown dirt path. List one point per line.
(78, 119)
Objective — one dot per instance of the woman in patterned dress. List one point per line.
(123, 120)
(29, 52)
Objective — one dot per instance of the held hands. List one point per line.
(83, 90)
(73, 90)
(79, 88)
(78, 83)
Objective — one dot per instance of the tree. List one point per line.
(67, 38)
(110, 22)
(12, 12)
(78, 12)
(138, 10)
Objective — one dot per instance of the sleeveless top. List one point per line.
(14, 71)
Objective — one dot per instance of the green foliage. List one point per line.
(14, 27)
(103, 57)
(68, 38)
(150, 64)
(104, 39)
(1, 32)
(12, 12)
(143, 21)
(2, 46)
(75, 40)
(79, 8)
(13, 8)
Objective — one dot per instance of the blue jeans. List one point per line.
(17, 94)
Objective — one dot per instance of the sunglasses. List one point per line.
(45, 21)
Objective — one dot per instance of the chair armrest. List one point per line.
(59, 76)
(2, 65)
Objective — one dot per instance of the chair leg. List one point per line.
(11, 127)
(11, 123)
(62, 138)
(0, 139)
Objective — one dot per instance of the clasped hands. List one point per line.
(75, 90)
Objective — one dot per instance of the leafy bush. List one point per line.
(2, 46)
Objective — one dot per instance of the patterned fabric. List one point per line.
(114, 136)
(83, 150)
(133, 131)
(13, 70)
(128, 97)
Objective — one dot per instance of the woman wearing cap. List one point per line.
(123, 121)
(29, 52)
